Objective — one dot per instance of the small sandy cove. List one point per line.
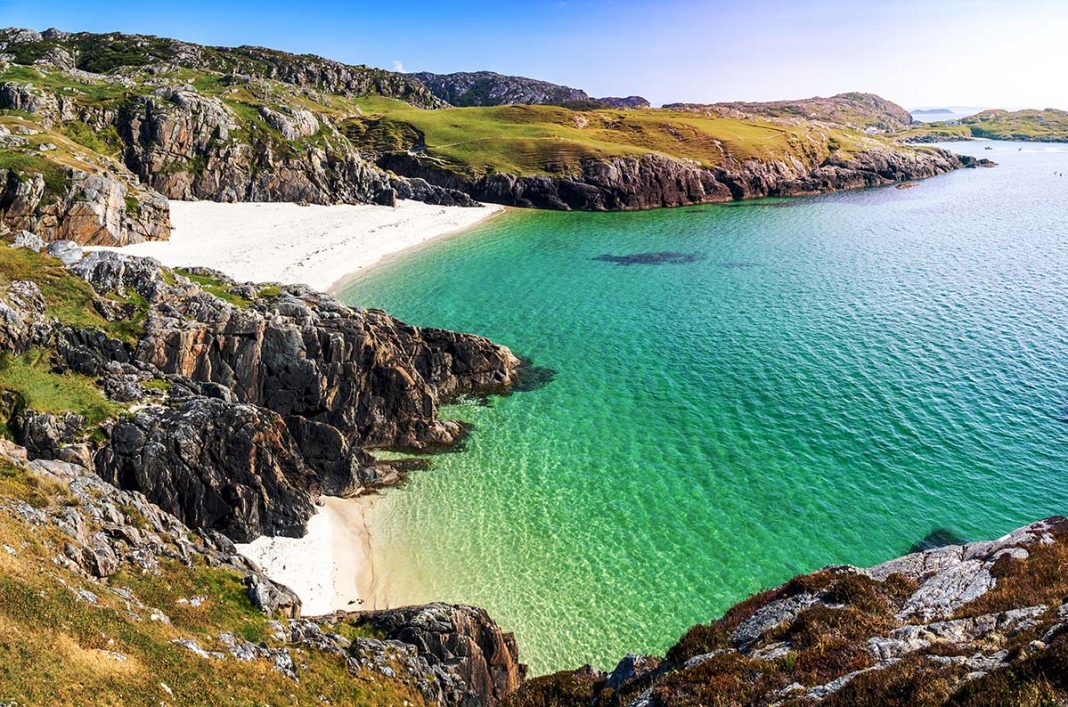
(330, 567)
(320, 246)
(323, 247)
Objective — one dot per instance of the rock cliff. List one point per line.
(264, 398)
(653, 181)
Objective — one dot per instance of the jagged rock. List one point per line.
(68, 252)
(293, 123)
(462, 640)
(654, 181)
(272, 598)
(45, 435)
(233, 468)
(632, 668)
(23, 321)
(91, 209)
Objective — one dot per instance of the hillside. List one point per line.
(858, 111)
(96, 130)
(609, 159)
(1049, 125)
(487, 88)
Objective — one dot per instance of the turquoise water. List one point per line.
(829, 381)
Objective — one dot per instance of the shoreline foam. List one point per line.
(324, 247)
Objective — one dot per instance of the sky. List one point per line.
(919, 53)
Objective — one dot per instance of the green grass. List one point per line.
(543, 139)
(43, 390)
(86, 90)
(54, 649)
(214, 286)
(106, 142)
(69, 298)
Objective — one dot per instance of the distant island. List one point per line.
(1049, 125)
(933, 111)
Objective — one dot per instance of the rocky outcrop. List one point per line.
(272, 399)
(464, 642)
(450, 656)
(214, 464)
(981, 623)
(113, 52)
(91, 208)
(653, 181)
(628, 102)
(486, 88)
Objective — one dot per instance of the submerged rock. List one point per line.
(658, 258)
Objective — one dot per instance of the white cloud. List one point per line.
(398, 66)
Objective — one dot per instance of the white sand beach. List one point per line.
(320, 246)
(330, 567)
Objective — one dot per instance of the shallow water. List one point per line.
(826, 381)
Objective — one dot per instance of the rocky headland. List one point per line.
(97, 131)
(157, 417)
(984, 623)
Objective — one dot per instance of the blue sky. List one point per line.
(916, 52)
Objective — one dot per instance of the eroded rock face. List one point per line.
(273, 402)
(981, 623)
(91, 209)
(464, 642)
(233, 468)
(184, 145)
(654, 181)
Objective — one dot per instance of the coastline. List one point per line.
(323, 247)
(331, 567)
(495, 211)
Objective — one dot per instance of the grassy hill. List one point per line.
(533, 140)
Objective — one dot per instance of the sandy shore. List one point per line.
(320, 246)
(323, 247)
(330, 567)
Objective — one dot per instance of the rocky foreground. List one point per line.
(159, 416)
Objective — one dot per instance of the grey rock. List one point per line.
(29, 240)
(67, 251)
